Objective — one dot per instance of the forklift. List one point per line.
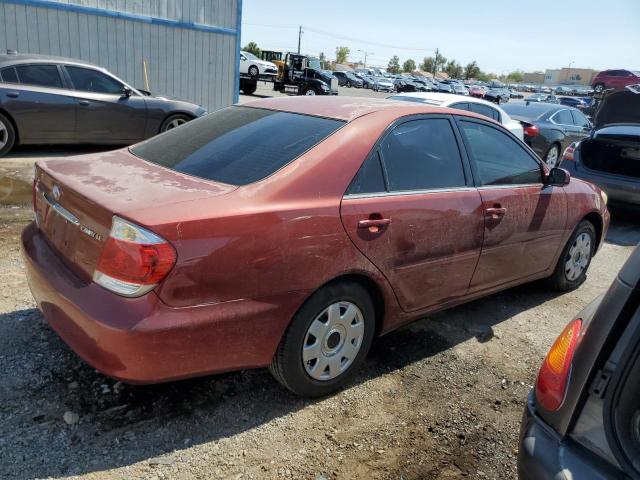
(302, 75)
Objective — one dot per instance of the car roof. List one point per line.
(445, 98)
(346, 108)
(18, 59)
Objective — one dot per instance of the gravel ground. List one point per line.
(441, 398)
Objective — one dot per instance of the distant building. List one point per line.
(535, 78)
(569, 76)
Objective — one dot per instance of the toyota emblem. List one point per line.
(56, 192)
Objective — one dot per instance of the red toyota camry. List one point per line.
(291, 232)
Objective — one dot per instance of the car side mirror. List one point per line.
(126, 92)
(558, 177)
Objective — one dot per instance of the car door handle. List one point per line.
(374, 225)
(13, 94)
(495, 213)
(84, 102)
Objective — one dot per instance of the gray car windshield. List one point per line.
(237, 145)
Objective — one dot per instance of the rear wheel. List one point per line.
(249, 88)
(598, 88)
(571, 269)
(253, 71)
(310, 92)
(552, 157)
(326, 341)
(349, 83)
(7, 135)
(174, 121)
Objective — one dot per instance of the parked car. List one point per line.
(476, 105)
(383, 84)
(405, 85)
(459, 89)
(616, 79)
(256, 67)
(51, 100)
(267, 234)
(542, 97)
(476, 91)
(348, 79)
(513, 93)
(549, 128)
(562, 90)
(442, 87)
(575, 102)
(582, 420)
(610, 156)
(367, 81)
(497, 95)
(423, 85)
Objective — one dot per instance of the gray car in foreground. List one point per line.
(610, 157)
(582, 421)
(51, 100)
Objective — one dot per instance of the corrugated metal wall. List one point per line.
(190, 46)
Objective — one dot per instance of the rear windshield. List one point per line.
(236, 145)
(522, 110)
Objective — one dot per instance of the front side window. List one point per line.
(485, 110)
(9, 75)
(39, 75)
(498, 157)
(421, 155)
(88, 80)
(237, 145)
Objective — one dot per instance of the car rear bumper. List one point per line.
(142, 340)
(618, 189)
(543, 455)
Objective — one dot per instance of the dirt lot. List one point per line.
(440, 399)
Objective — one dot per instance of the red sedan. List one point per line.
(290, 232)
(477, 91)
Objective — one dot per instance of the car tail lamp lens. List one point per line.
(134, 260)
(531, 130)
(556, 368)
(568, 152)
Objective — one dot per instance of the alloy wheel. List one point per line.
(578, 257)
(552, 157)
(253, 71)
(333, 341)
(311, 92)
(175, 123)
(4, 135)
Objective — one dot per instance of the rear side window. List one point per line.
(9, 75)
(237, 145)
(88, 80)
(485, 110)
(579, 119)
(460, 106)
(563, 117)
(421, 155)
(498, 157)
(369, 178)
(39, 75)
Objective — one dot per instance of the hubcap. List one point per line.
(253, 71)
(4, 135)
(333, 341)
(552, 157)
(176, 123)
(578, 257)
(310, 92)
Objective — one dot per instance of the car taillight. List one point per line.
(568, 152)
(555, 370)
(134, 260)
(531, 130)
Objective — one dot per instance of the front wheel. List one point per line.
(253, 71)
(7, 135)
(571, 269)
(174, 121)
(598, 88)
(310, 92)
(326, 341)
(348, 84)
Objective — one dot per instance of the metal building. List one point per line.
(185, 48)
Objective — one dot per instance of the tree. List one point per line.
(453, 69)
(516, 76)
(341, 54)
(252, 47)
(427, 64)
(472, 70)
(409, 66)
(394, 65)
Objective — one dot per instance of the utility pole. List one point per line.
(300, 32)
(365, 56)
(435, 64)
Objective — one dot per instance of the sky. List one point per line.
(500, 35)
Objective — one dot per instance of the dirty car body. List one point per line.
(251, 232)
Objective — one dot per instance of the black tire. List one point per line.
(173, 121)
(254, 71)
(548, 157)
(348, 83)
(7, 135)
(287, 366)
(249, 88)
(598, 88)
(559, 280)
(310, 91)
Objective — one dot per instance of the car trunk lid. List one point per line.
(613, 150)
(75, 199)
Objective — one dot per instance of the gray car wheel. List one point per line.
(7, 135)
(174, 121)
(253, 71)
(552, 157)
